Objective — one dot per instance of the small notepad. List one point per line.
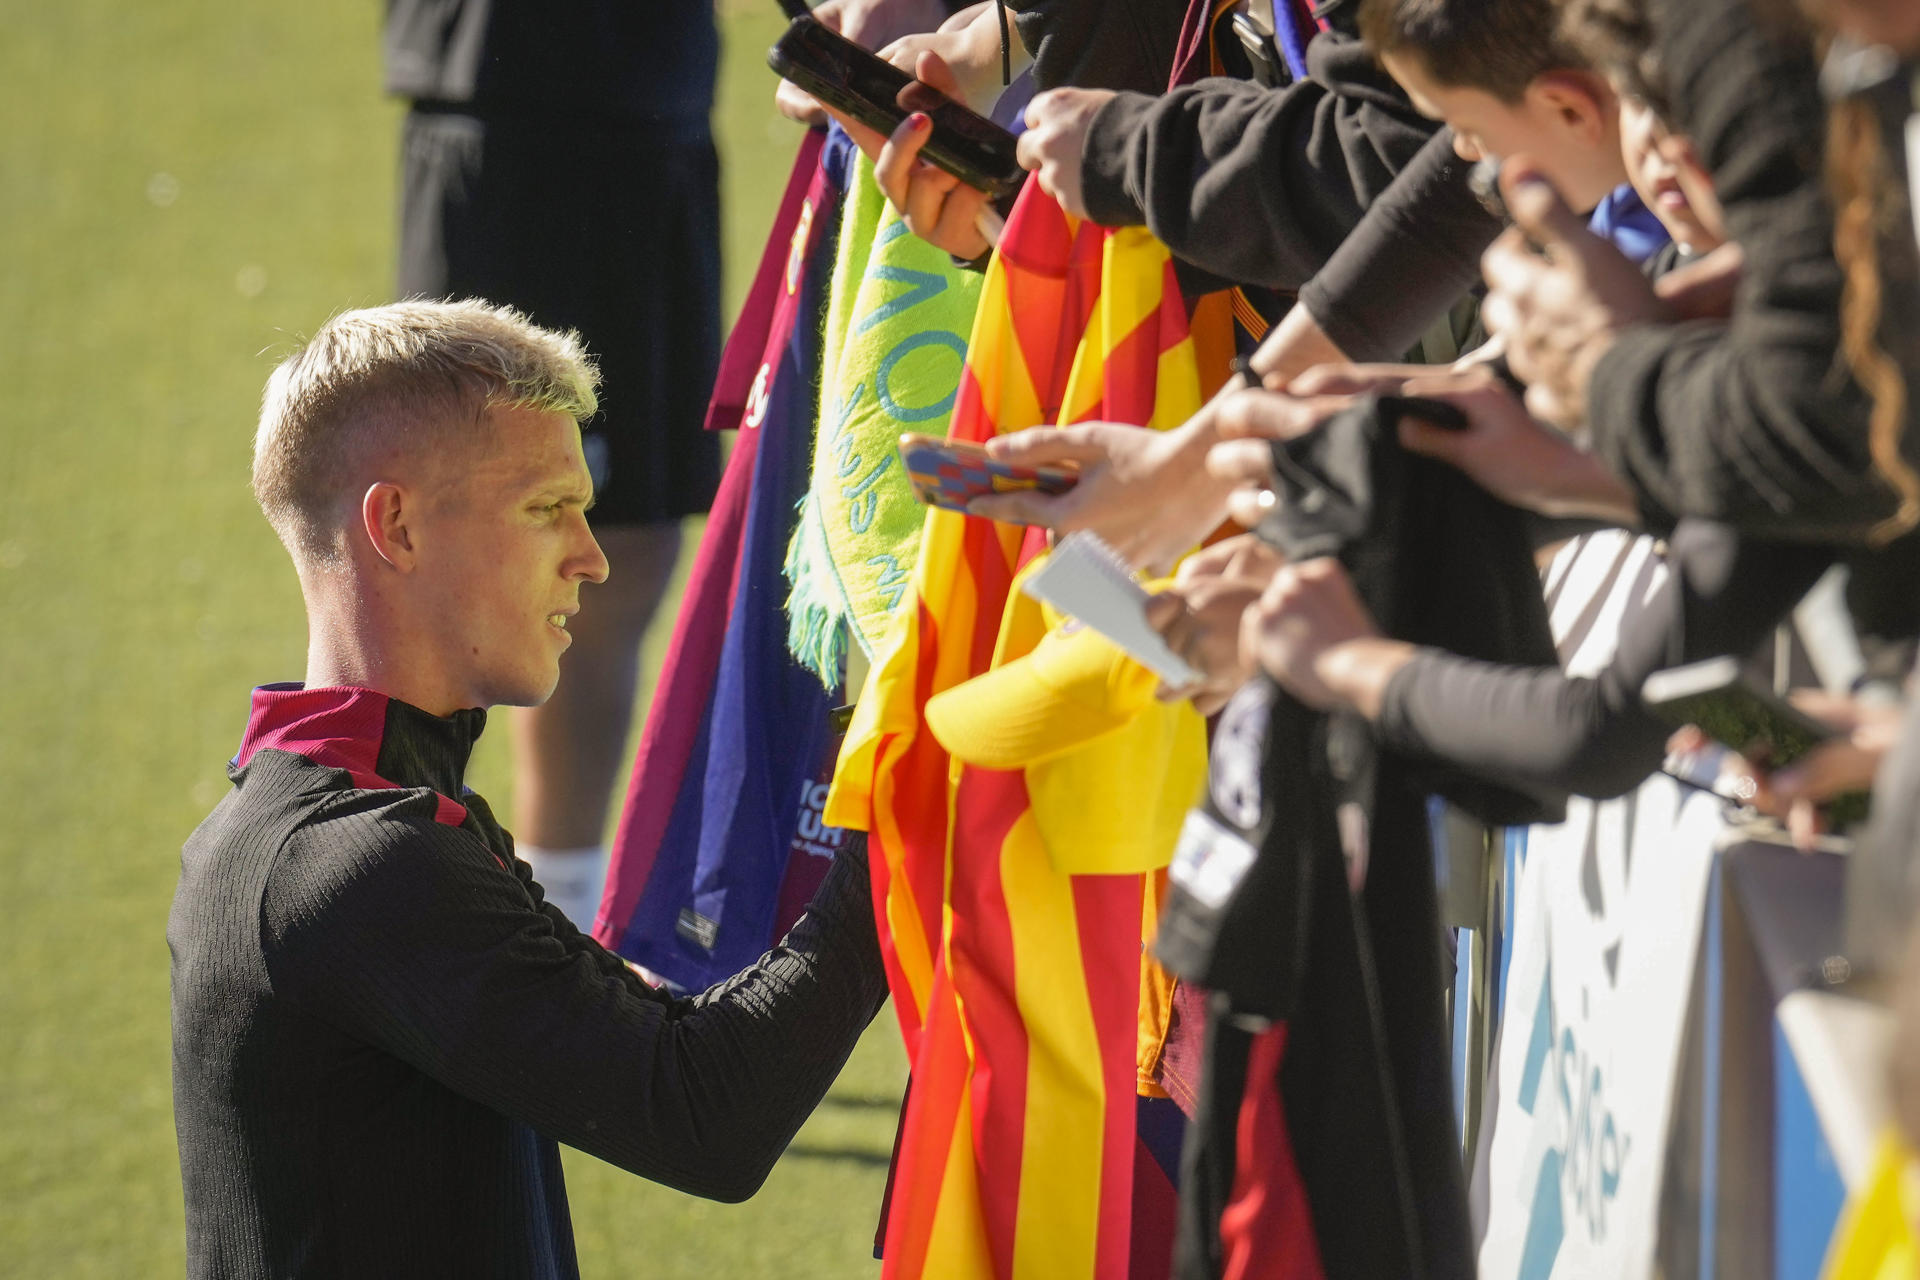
(1086, 579)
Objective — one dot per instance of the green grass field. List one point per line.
(186, 188)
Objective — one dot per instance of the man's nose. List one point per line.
(589, 562)
(1466, 148)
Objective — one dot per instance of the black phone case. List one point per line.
(964, 143)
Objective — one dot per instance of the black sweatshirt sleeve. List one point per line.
(1751, 421)
(1413, 255)
(1255, 185)
(1590, 735)
(427, 949)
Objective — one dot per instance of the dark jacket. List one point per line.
(1363, 1079)
(1752, 420)
(382, 1032)
(1255, 185)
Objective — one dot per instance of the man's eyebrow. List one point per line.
(584, 499)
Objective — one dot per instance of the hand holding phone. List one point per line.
(1718, 698)
(951, 473)
(873, 91)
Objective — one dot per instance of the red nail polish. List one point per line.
(918, 120)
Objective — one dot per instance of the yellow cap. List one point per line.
(1110, 771)
(1075, 686)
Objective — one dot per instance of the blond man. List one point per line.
(381, 1030)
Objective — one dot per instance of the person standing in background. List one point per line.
(559, 157)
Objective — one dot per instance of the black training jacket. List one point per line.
(382, 1032)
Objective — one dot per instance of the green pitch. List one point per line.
(185, 189)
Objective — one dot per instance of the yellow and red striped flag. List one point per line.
(1010, 924)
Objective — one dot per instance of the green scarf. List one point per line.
(896, 341)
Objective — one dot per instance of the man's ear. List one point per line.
(387, 513)
(1583, 102)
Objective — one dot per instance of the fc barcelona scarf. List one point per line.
(896, 340)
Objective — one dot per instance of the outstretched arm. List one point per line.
(1254, 185)
(433, 953)
(1530, 725)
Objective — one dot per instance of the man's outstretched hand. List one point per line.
(1311, 632)
(1517, 459)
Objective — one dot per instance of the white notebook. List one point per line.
(1086, 579)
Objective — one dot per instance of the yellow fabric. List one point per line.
(977, 925)
(1071, 687)
(1116, 805)
(1875, 1239)
(1062, 1158)
(1156, 993)
(1111, 771)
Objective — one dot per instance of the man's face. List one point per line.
(505, 548)
(1553, 123)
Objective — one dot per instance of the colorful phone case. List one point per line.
(951, 475)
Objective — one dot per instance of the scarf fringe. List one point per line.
(817, 625)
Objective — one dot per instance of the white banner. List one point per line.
(1607, 916)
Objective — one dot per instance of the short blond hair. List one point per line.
(418, 374)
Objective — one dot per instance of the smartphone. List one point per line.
(951, 473)
(879, 95)
(1263, 54)
(1723, 702)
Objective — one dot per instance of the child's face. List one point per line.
(1663, 169)
(1565, 122)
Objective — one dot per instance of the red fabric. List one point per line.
(336, 728)
(1266, 1230)
(1110, 960)
(1193, 51)
(1155, 1218)
(986, 805)
(747, 346)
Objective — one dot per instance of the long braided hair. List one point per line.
(1865, 202)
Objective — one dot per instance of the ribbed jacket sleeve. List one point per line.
(421, 944)
(1414, 255)
(1591, 735)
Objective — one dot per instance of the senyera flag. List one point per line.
(1015, 956)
